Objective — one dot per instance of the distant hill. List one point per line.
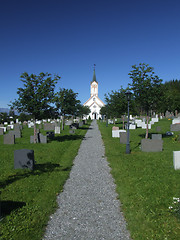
(4, 110)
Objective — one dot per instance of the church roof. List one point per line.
(94, 77)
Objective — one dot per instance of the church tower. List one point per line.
(94, 103)
(94, 85)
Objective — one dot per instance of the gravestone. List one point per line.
(123, 137)
(57, 130)
(24, 158)
(49, 126)
(176, 120)
(156, 136)
(9, 139)
(150, 145)
(32, 138)
(115, 128)
(132, 126)
(17, 133)
(42, 138)
(175, 127)
(176, 160)
(4, 128)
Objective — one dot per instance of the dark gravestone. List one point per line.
(149, 145)
(156, 136)
(8, 128)
(17, 126)
(9, 139)
(49, 126)
(123, 137)
(24, 158)
(1, 131)
(175, 127)
(32, 138)
(42, 138)
(16, 132)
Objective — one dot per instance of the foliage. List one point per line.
(4, 117)
(66, 102)
(37, 95)
(172, 96)
(24, 117)
(147, 88)
(116, 103)
(145, 183)
(83, 110)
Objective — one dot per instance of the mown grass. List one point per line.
(29, 197)
(146, 183)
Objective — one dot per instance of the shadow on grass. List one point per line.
(66, 138)
(150, 135)
(38, 170)
(8, 206)
(85, 128)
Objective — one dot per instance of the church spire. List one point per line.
(94, 75)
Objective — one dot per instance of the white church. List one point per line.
(94, 103)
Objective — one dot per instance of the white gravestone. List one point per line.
(176, 159)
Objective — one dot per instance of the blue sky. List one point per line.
(68, 37)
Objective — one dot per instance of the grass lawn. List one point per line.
(146, 183)
(29, 197)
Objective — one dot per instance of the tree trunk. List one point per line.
(62, 122)
(35, 132)
(123, 122)
(147, 126)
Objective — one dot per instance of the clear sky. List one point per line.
(68, 37)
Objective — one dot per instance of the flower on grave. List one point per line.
(175, 207)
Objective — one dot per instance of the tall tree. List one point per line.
(116, 102)
(172, 96)
(36, 96)
(146, 87)
(67, 103)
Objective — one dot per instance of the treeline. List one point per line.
(149, 94)
(37, 99)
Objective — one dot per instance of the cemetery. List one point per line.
(143, 153)
(149, 175)
(30, 173)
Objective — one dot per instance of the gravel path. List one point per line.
(88, 206)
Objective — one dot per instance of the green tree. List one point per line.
(83, 110)
(171, 100)
(4, 117)
(67, 103)
(116, 103)
(147, 88)
(36, 96)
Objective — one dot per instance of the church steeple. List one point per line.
(94, 75)
(94, 84)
